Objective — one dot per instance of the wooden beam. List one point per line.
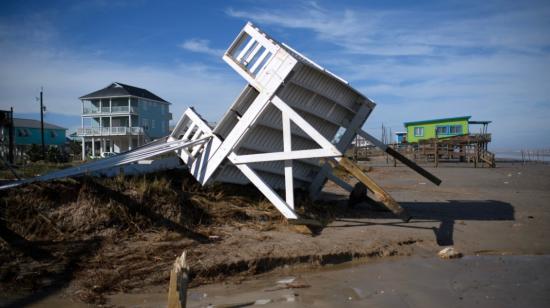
(275, 156)
(378, 191)
(287, 147)
(409, 163)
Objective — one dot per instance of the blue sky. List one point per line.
(416, 59)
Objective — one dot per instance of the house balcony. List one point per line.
(109, 131)
(110, 110)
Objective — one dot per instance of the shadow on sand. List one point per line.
(446, 213)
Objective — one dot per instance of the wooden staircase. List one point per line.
(488, 158)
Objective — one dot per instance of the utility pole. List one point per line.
(42, 124)
(11, 133)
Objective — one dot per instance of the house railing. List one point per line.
(113, 109)
(109, 131)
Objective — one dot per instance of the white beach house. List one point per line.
(120, 117)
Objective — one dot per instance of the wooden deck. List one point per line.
(470, 148)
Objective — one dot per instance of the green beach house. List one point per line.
(442, 128)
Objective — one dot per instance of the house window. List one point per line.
(53, 133)
(456, 129)
(419, 131)
(23, 132)
(145, 123)
(442, 130)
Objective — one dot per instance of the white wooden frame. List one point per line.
(286, 206)
(266, 78)
(266, 65)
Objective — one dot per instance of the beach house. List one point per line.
(120, 117)
(440, 128)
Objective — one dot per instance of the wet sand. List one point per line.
(474, 281)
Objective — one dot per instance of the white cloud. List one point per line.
(411, 32)
(488, 60)
(201, 46)
(67, 75)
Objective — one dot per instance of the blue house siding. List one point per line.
(153, 118)
(30, 135)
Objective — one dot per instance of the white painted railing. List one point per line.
(113, 109)
(109, 131)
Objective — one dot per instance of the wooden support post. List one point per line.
(476, 155)
(179, 278)
(436, 154)
(380, 193)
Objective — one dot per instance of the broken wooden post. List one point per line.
(179, 278)
(378, 191)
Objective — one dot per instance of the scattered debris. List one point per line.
(289, 283)
(449, 253)
(287, 280)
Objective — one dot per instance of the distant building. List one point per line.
(400, 137)
(360, 141)
(442, 128)
(121, 117)
(28, 132)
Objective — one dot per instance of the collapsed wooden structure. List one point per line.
(290, 125)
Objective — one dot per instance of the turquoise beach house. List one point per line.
(27, 132)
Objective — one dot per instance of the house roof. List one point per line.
(28, 123)
(120, 89)
(437, 120)
(479, 122)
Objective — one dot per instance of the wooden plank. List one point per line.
(179, 279)
(432, 178)
(268, 192)
(423, 172)
(275, 156)
(378, 191)
(304, 125)
(287, 147)
(358, 120)
(245, 49)
(259, 61)
(338, 181)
